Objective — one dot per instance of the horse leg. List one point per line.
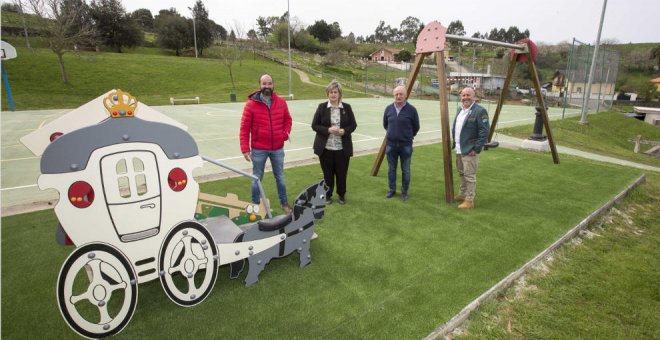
(304, 249)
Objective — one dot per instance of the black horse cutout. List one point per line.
(297, 229)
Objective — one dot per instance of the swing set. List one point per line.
(432, 40)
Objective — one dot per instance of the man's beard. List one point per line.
(267, 91)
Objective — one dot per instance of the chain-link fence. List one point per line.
(603, 81)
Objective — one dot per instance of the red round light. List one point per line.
(177, 179)
(55, 136)
(81, 194)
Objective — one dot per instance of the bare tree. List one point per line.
(65, 24)
(19, 5)
(228, 55)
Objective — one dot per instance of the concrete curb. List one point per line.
(506, 282)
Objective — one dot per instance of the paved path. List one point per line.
(512, 142)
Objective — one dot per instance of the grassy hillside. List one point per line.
(36, 81)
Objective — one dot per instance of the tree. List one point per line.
(335, 30)
(302, 40)
(65, 24)
(339, 44)
(511, 35)
(279, 36)
(655, 55)
(203, 27)
(456, 28)
(324, 32)
(9, 7)
(219, 32)
(228, 55)
(144, 19)
(475, 35)
(252, 34)
(421, 27)
(333, 58)
(352, 42)
(403, 55)
(115, 28)
(264, 28)
(409, 29)
(383, 34)
(266, 25)
(173, 31)
(638, 59)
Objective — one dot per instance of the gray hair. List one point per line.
(334, 85)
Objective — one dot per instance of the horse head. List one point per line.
(313, 198)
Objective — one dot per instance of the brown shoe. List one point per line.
(467, 204)
(459, 198)
(286, 208)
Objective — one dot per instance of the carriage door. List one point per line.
(132, 191)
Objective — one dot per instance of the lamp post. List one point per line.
(587, 93)
(288, 33)
(194, 30)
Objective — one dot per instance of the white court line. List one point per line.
(18, 159)
(224, 115)
(21, 187)
(44, 122)
(211, 139)
(367, 139)
(363, 135)
(430, 131)
(12, 145)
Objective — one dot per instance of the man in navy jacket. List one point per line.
(401, 121)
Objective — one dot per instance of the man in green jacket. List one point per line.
(471, 126)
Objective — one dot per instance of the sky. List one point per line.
(549, 21)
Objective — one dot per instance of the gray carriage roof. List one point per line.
(70, 152)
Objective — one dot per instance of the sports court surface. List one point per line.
(215, 128)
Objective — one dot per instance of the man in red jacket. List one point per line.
(265, 125)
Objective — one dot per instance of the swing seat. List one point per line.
(493, 145)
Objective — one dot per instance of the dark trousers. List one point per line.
(395, 152)
(334, 164)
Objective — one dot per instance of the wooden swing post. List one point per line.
(432, 40)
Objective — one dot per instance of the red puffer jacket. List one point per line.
(267, 129)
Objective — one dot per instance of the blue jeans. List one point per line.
(394, 152)
(277, 162)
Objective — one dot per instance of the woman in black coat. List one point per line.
(334, 123)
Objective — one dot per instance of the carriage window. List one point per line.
(121, 167)
(141, 183)
(124, 186)
(140, 178)
(138, 166)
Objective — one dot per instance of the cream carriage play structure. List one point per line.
(128, 201)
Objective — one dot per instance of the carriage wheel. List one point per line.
(188, 264)
(97, 290)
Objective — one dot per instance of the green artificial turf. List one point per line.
(380, 268)
(603, 285)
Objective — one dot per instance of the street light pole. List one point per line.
(194, 30)
(288, 33)
(587, 93)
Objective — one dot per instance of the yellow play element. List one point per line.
(233, 205)
(120, 104)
